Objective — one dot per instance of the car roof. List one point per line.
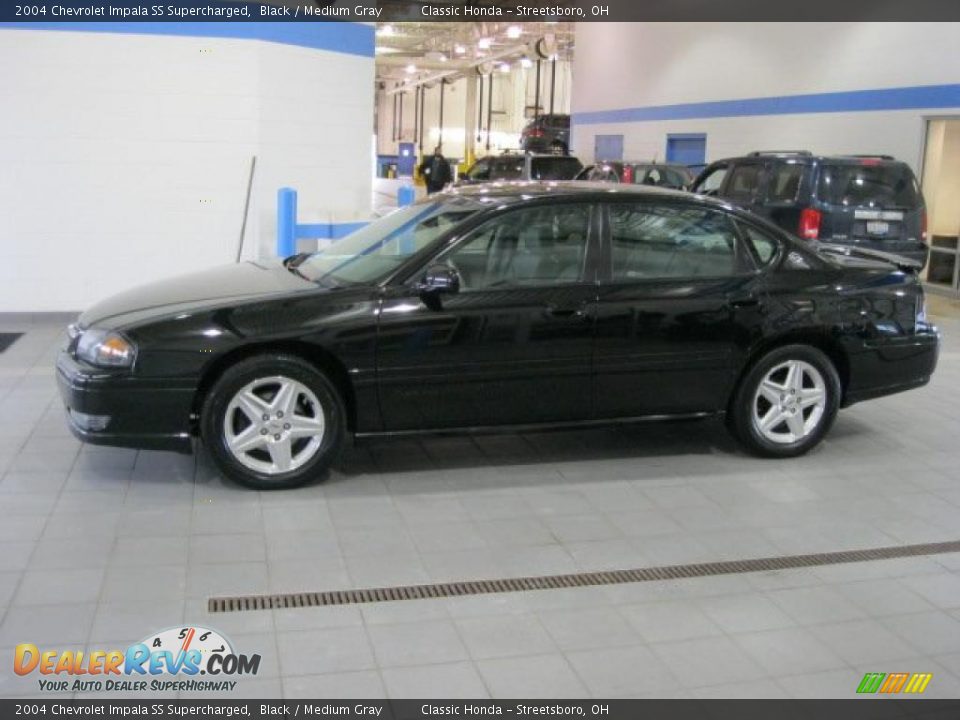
(519, 190)
(808, 158)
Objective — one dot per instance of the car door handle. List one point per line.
(740, 300)
(565, 311)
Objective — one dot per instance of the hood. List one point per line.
(195, 291)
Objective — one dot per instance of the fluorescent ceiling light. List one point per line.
(484, 43)
(514, 31)
(411, 68)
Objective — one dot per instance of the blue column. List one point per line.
(286, 222)
(406, 195)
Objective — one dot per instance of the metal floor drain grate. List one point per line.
(244, 603)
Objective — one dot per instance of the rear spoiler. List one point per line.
(904, 263)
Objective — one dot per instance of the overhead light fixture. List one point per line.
(459, 49)
(443, 57)
(484, 43)
(385, 31)
(504, 67)
(411, 69)
(526, 62)
(514, 31)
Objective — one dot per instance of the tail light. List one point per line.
(627, 175)
(923, 226)
(533, 132)
(809, 228)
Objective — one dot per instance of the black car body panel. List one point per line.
(592, 348)
(864, 201)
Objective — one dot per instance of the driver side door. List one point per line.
(514, 345)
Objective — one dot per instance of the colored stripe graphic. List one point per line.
(871, 682)
(893, 683)
(918, 683)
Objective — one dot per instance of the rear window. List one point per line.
(888, 185)
(554, 168)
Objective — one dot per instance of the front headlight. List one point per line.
(105, 348)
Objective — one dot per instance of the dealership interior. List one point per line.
(640, 560)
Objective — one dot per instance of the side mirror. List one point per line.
(438, 280)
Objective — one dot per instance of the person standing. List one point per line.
(436, 171)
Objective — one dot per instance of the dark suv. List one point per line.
(511, 166)
(547, 134)
(871, 202)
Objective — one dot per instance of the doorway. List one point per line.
(688, 149)
(941, 191)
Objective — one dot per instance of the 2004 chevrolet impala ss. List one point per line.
(501, 307)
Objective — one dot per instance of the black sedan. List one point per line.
(500, 307)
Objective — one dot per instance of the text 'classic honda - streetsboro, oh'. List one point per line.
(501, 307)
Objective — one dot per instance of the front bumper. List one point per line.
(893, 365)
(126, 411)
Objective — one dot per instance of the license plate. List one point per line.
(878, 227)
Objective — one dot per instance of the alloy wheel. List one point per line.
(274, 425)
(790, 402)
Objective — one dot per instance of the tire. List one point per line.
(304, 413)
(774, 416)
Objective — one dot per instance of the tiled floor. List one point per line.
(101, 547)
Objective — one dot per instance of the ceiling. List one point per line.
(412, 50)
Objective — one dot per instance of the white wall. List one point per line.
(941, 177)
(124, 158)
(633, 65)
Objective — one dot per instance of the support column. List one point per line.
(469, 121)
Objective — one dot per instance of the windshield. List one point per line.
(382, 246)
(887, 185)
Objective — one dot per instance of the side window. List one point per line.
(764, 247)
(744, 182)
(785, 183)
(650, 241)
(603, 173)
(710, 183)
(507, 169)
(480, 170)
(524, 248)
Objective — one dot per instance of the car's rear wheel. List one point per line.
(272, 421)
(787, 402)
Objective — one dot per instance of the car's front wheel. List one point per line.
(272, 421)
(787, 402)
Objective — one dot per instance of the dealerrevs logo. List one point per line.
(170, 660)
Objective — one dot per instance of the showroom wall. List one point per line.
(125, 158)
(694, 77)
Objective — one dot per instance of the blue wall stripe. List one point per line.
(903, 98)
(343, 37)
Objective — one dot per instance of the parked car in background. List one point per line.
(513, 166)
(547, 134)
(498, 307)
(675, 177)
(869, 201)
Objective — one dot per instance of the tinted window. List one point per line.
(764, 246)
(785, 182)
(602, 173)
(537, 246)
(480, 170)
(670, 242)
(890, 185)
(506, 168)
(711, 182)
(744, 182)
(554, 168)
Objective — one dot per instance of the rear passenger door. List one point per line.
(679, 302)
